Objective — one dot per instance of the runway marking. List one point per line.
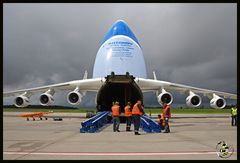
(110, 153)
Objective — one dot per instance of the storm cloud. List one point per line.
(193, 44)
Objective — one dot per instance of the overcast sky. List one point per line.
(192, 44)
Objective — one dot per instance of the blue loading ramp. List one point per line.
(94, 123)
(148, 125)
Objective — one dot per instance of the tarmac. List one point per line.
(191, 138)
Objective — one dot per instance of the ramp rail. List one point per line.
(94, 123)
(149, 125)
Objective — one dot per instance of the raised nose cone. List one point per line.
(120, 28)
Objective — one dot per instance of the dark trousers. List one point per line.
(136, 121)
(161, 125)
(234, 120)
(116, 123)
(167, 128)
(128, 121)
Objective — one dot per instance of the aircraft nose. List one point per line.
(120, 28)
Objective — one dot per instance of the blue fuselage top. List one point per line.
(120, 28)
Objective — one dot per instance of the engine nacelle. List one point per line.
(193, 100)
(46, 99)
(74, 98)
(165, 97)
(21, 101)
(217, 102)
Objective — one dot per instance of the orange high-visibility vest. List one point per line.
(115, 110)
(166, 111)
(136, 110)
(163, 122)
(128, 112)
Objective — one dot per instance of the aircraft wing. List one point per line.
(154, 85)
(83, 85)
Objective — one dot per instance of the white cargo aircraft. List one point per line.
(119, 74)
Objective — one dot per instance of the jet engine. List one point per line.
(21, 101)
(46, 99)
(217, 102)
(165, 97)
(74, 97)
(193, 100)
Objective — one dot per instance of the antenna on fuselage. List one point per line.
(154, 75)
(85, 75)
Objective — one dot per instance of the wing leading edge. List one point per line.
(156, 85)
(82, 85)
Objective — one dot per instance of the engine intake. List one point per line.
(193, 100)
(74, 97)
(217, 102)
(46, 99)
(165, 97)
(21, 101)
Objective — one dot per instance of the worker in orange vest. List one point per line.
(128, 115)
(116, 111)
(166, 115)
(137, 112)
